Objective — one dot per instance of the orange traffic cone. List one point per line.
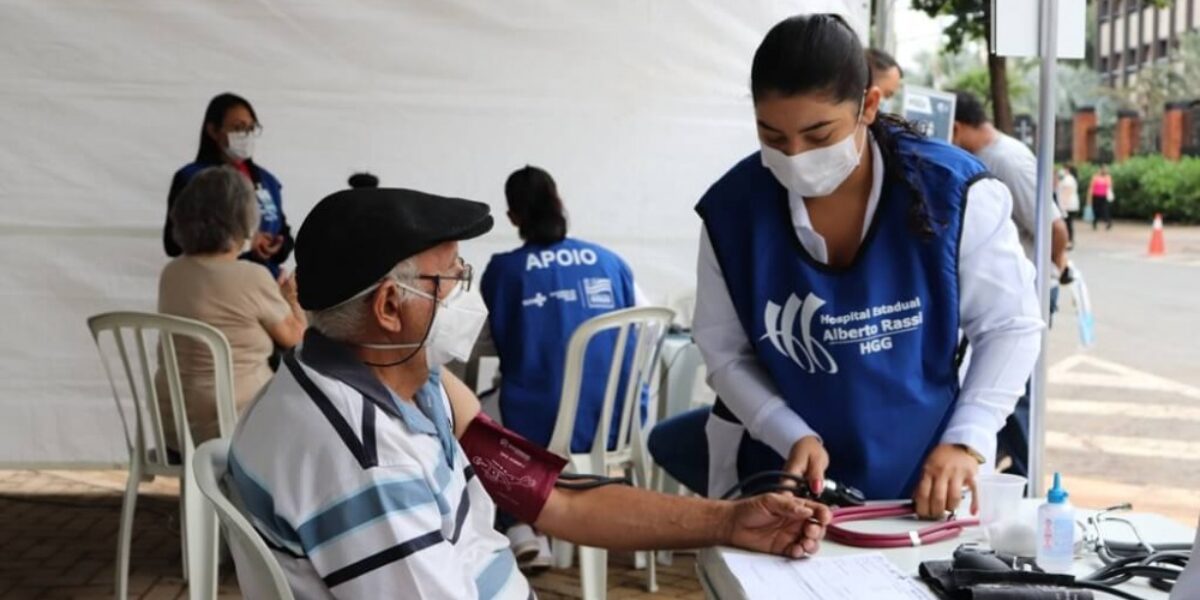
(1157, 244)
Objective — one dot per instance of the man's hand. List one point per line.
(778, 524)
(947, 469)
(808, 459)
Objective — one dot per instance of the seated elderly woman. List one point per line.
(213, 217)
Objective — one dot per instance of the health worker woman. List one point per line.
(839, 268)
(227, 137)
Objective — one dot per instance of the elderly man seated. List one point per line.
(350, 465)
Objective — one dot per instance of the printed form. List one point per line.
(823, 578)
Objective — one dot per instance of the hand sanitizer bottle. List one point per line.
(1056, 531)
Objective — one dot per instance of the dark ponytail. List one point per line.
(821, 54)
(534, 203)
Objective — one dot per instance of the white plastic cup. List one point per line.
(999, 499)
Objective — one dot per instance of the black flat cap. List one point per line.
(352, 238)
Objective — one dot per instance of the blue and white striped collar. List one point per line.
(336, 360)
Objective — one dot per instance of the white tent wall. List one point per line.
(635, 106)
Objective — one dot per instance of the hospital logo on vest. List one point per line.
(806, 351)
(874, 329)
(266, 205)
(598, 293)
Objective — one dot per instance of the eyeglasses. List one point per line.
(254, 130)
(463, 277)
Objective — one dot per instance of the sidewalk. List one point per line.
(1183, 241)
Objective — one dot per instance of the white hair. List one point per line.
(346, 321)
(214, 212)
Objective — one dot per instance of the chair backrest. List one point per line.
(259, 574)
(132, 328)
(648, 327)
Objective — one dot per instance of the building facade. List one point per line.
(1134, 34)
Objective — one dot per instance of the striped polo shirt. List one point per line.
(362, 494)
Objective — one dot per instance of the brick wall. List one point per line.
(1126, 137)
(1084, 141)
(1172, 129)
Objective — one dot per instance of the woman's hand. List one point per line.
(948, 469)
(287, 286)
(809, 459)
(265, 245)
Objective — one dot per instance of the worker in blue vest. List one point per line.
(839, 268)
(227, 137)
(536, 296)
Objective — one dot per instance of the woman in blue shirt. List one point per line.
(838, 266)
(537, 295)
(227, 137)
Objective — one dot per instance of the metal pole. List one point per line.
(1045, 167)
(883, 38)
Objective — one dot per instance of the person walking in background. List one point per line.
(227, 137)
(1067, 193)
(1102, 195)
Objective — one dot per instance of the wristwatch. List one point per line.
(975, 455)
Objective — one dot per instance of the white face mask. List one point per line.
(816, 173)
(241, 145)
(456, 324)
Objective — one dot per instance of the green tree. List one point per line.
(978, 81)
(971, 22)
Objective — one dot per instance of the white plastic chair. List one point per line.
(199, 532)
(684, 390)
(250, 553)
(648, 326)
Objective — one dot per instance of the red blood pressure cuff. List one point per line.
(516, 473)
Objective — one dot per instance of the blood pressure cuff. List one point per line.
(953, 583)
(517, 473)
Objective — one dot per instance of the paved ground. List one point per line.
(58, 538)
(1124, 416)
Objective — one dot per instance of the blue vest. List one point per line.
(536, 297)
(865, 354)
(267, 190)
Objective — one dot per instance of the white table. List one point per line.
(721, 584)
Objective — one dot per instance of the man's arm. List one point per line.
(1022, 182)
(463, 402)
(619, 517)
